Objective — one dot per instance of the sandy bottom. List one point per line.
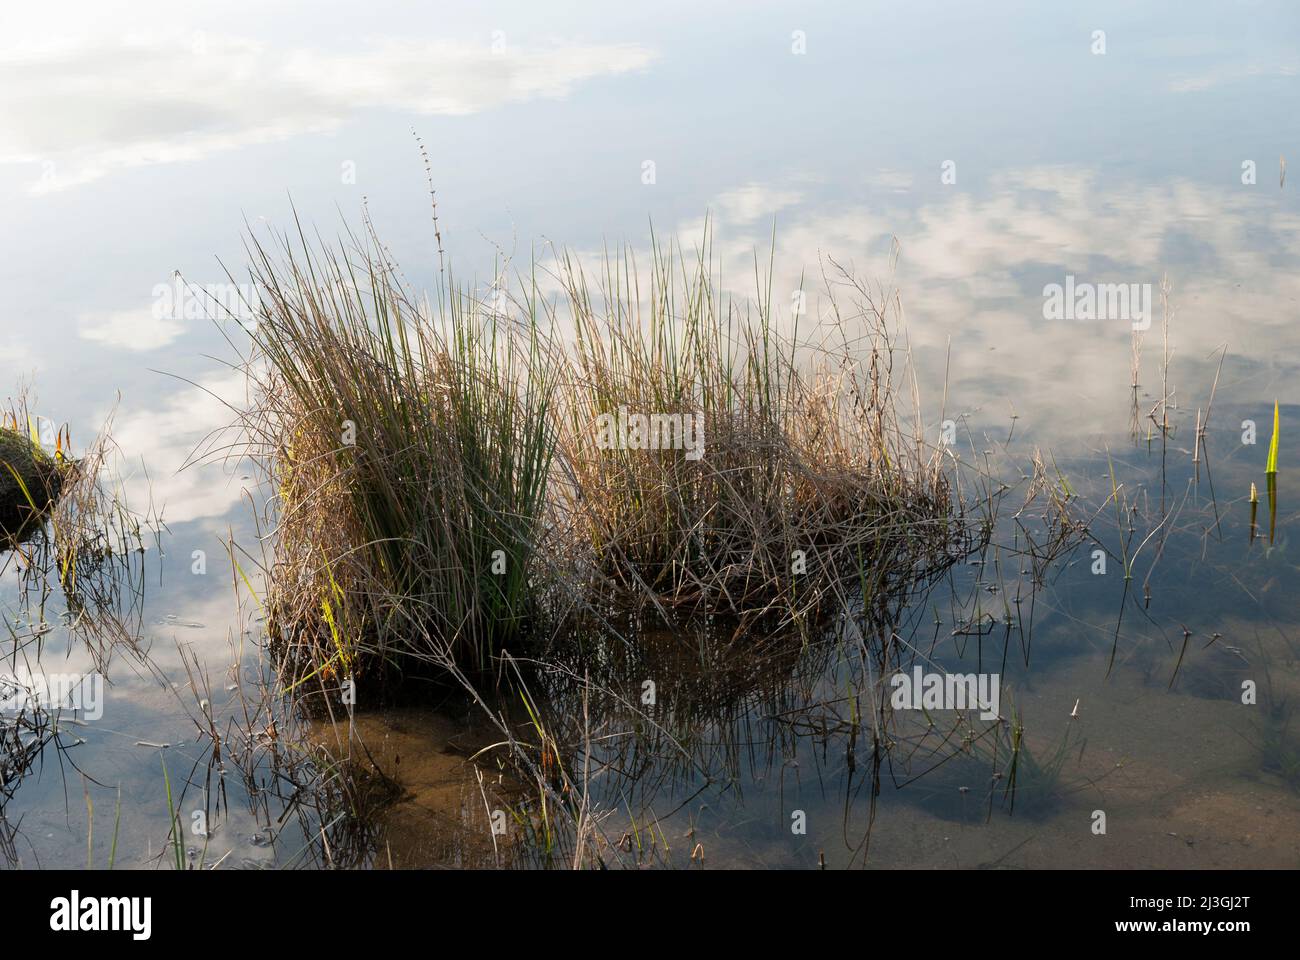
(1176, 773)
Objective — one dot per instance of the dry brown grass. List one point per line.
(810, 486)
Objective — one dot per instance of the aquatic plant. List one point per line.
(1270, 474)
(1271, 466)
(802, 483)
(965, 771)
(1278, 745)
(443, 472)
(409, 446)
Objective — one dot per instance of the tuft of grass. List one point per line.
(807, 486)
(1033, 780)
(438, 483)
(409, 446)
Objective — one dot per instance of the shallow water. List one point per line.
(1122, 167)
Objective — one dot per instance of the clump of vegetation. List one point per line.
(30, 480)
(24, 732)
(67, 544)
(1274, 736)
(802, 485)
(1279, 747)
(410, 447)
(439, 482)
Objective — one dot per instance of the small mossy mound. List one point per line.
(28, 475)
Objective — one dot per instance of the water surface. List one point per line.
(966, 157)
